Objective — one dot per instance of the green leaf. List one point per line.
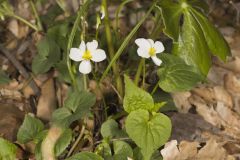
(63, 142)
(201, 6)
(196, 37)
(29, 130)
(216, 43)
(104, 149)
(3, 78)
(40, 136)
(52, 13)
(41, 64)
(76, 106)
(37, 151)
(38, 141)
(48, 55)
(61, 116)
(59, 33)
(175, 75)
(63, 71)
(7, 150)
(122, 150)
(192, 46)
(171, 13)
(85, 156)
(110, 129)
(148, 131)
(136, 98)
(79, 100)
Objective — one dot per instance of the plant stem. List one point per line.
(83, 33)
(85, 81)
(139, 71)
(119, 83)
(155, 88)
(25, 22)
(126, 42)
(144, 74)
(119, 115)
(39, 23)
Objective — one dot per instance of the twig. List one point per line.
(77, 141)
(20, 68)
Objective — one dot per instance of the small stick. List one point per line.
(77, 141)
(20, 68)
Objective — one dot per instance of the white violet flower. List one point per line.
(147, 48)
(85, 53)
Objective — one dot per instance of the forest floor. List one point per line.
(205, 127)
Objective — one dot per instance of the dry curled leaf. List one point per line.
(47, 101)
(170, 151)
(181, 101)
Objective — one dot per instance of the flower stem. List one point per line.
(155, 88)
(81, 13)
(119, 83)
(25, 22)
(139, 71)
(144, 74)
(39, 23)
(85, 81)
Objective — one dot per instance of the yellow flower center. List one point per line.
(87, 55)
(152, 51)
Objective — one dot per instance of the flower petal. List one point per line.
(151, 42)
(85, 67)
(142, 52)
(156, 60)
(143, 43)
(92, 45)
(76, 54)
(82, 46)
(98, 55)
(158, 47)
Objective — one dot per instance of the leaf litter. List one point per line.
(217, 103)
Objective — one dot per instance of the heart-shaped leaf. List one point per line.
(136, 98)
(122, 150)
(30, 129)
(7, 150)
(110, 129)
(148, 131)
(175, 75)
(48, 55)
